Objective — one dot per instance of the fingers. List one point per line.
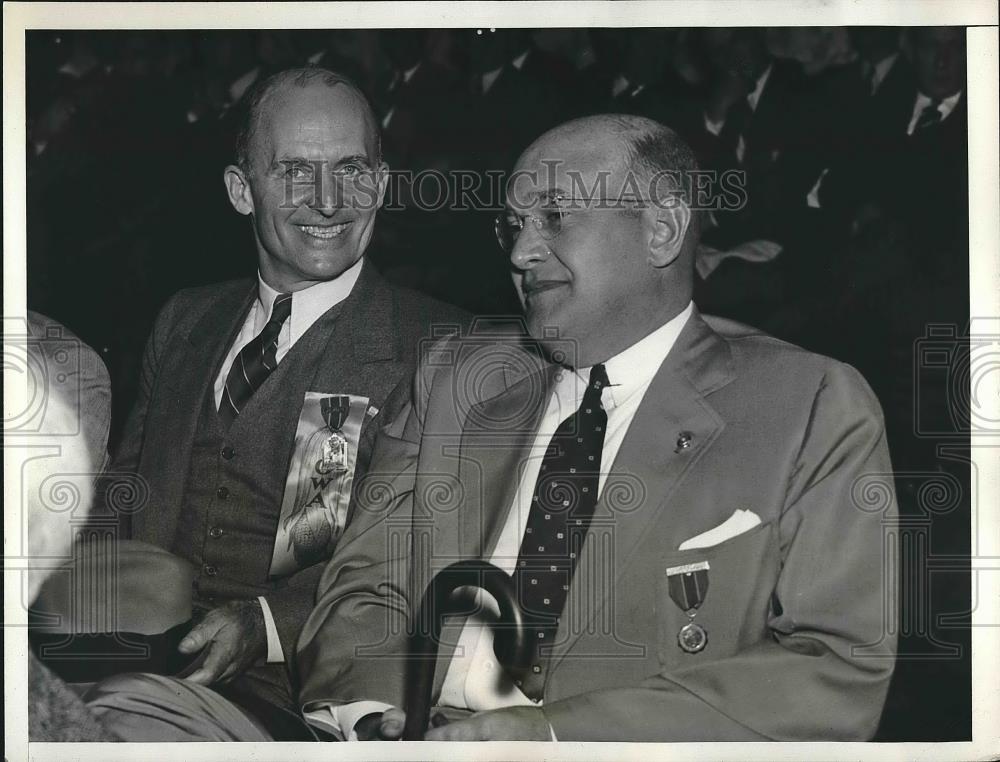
(202, 633)
(216, 660)
(461, 730)
(391, 727)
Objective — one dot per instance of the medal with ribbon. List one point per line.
(319, 481)
(688, 586)
(334, 454)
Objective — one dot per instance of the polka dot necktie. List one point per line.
(254, 362)
(561, 509)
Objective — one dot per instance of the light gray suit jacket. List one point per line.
(799, 609)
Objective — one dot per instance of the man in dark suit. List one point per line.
(632, 74)
(686, 506)
(909, 135)
(750, 119)
(236, 376)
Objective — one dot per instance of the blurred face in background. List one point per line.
(314, 186)
(874, 43)
(939, 60)
(737, 52)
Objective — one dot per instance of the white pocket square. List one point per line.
(738, 523)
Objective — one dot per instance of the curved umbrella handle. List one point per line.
(511, 642)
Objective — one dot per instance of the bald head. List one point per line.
(651, 157)
(263, 95)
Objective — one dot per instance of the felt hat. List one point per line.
(115, 606)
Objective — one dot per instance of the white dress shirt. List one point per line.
(475, 679)
(307, 306)
(945, 108)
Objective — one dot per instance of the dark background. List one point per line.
(128, 133)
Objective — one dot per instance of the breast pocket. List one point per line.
(734, 580)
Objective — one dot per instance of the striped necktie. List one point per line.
(561, 509)
(254, 362)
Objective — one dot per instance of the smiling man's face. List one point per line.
(314, 185)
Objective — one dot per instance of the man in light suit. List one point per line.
(692, 512)
(228, 367)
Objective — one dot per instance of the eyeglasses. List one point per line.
(548, 221)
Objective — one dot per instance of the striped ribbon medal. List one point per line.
(688, 586)
(334, 410)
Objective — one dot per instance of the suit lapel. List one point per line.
(349, 336)
(647, 470)
(492, 456)
(209, 339)
(201, 356)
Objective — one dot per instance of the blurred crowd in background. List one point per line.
(853, 142)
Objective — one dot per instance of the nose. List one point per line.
(530, 249)
(328, 197)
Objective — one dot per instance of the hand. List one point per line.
(516, 723)
(235, 637)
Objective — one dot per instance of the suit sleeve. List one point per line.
(118, 490)
(352, 647)
(824, 671)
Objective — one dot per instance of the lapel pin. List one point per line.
(683, 441)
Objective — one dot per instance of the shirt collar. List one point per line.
(754, 97)
(408, 74)
(518, 62)
(490, 77)
(310, 303)
(631, 371)
(881, 70)
(946, 106)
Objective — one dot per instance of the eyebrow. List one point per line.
(295, 160)
(355, 159)
(547, 195)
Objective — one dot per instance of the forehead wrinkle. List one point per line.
(312, 130)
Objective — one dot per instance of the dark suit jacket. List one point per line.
(777, 159)
(800, 646)
(372, 348)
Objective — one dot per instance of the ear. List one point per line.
(382, 180)
(238, 189)
(668, 226)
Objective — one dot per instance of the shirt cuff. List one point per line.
(714, 127)
(274, 652)
(342, 716)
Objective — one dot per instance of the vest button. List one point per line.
(210, 570)
(228, 452)
(222, 493)
(215, 532)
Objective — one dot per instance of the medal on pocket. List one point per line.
(333, 458)
(688, 586)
